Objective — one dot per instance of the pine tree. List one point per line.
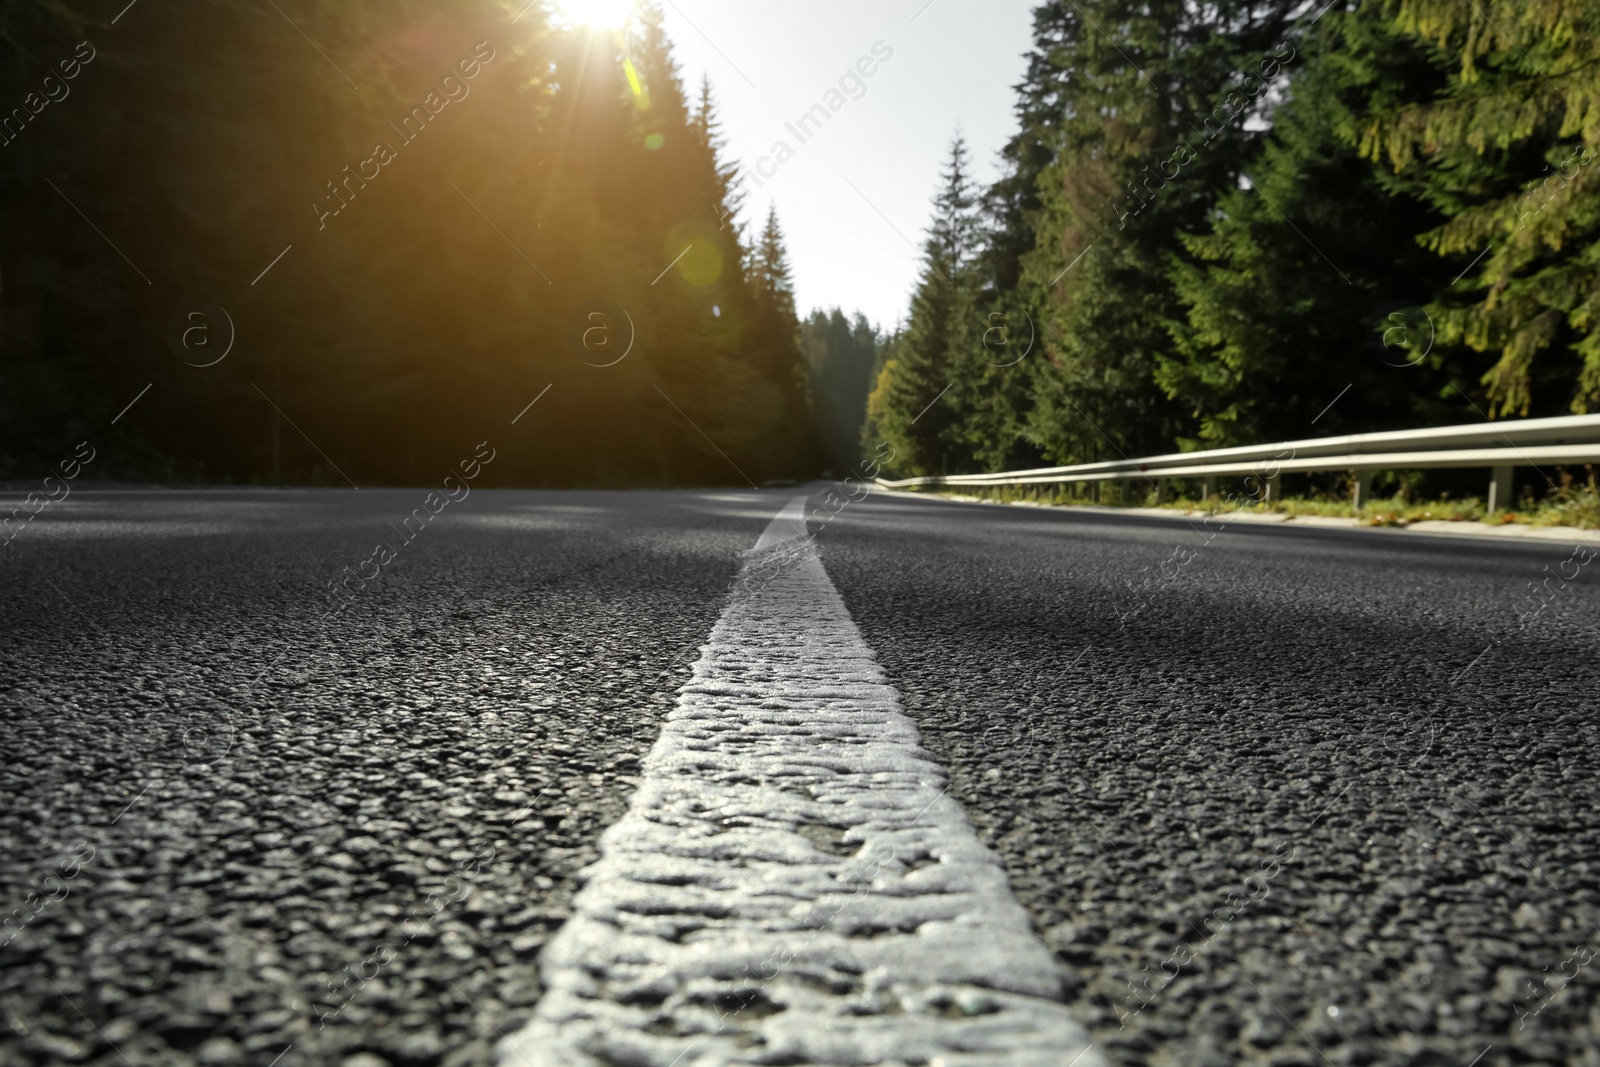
(707, 132)
(1154, 126)
(1001, 352)
(775, 346)
(907, 407)
(769, 268)
(1281, 294)
(840, 354)
(1526, 101)
(435, 300)
(1013, 203)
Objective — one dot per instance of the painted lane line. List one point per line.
(792, 882)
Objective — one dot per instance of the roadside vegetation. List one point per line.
(1575, 504)
(1222, 224)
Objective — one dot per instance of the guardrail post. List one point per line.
(1210, 487)
(1363, 489)
(1274, 489)
(1161, 491)
(1500, 488)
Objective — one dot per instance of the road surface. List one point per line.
(1248, 794)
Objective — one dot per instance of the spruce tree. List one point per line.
(840, 354)
(422, 304)
(908, 405)
(1285, 294)
(1159, 107)
(1524, 107)
(775, 347)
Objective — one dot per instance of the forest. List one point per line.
(1240, 222)
(355, 270)
(1214, 224)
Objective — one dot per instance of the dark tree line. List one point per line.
(477, 206)
(1216, 220)
(841, 354)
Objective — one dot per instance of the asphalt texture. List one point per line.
(1280, 797)
(350, 836)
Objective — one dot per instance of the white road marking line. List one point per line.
(792, 883)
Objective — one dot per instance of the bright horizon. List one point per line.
(855, 197)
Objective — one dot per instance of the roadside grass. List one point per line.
(1575, 505)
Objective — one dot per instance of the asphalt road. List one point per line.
(1283, 796)
(1301, 706)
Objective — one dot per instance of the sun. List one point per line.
(602, 14)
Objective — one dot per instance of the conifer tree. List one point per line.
(840, 355)
(1159, 107)
(424, 295)
(1284, 294)
(775, 347)
(1526, 101)
(907, 406)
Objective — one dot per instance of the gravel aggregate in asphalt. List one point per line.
(345, 839)
(1303, 797)
(1283, 797)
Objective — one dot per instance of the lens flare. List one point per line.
(604, 14)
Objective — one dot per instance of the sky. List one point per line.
(855, 196)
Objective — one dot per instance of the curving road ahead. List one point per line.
(1266, 795)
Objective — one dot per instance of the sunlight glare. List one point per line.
(606, 14)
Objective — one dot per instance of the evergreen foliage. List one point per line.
(429, 294)
(1212, 222)
(1250, 221)
(841, 357)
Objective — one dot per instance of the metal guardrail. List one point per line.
(1499, 446)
